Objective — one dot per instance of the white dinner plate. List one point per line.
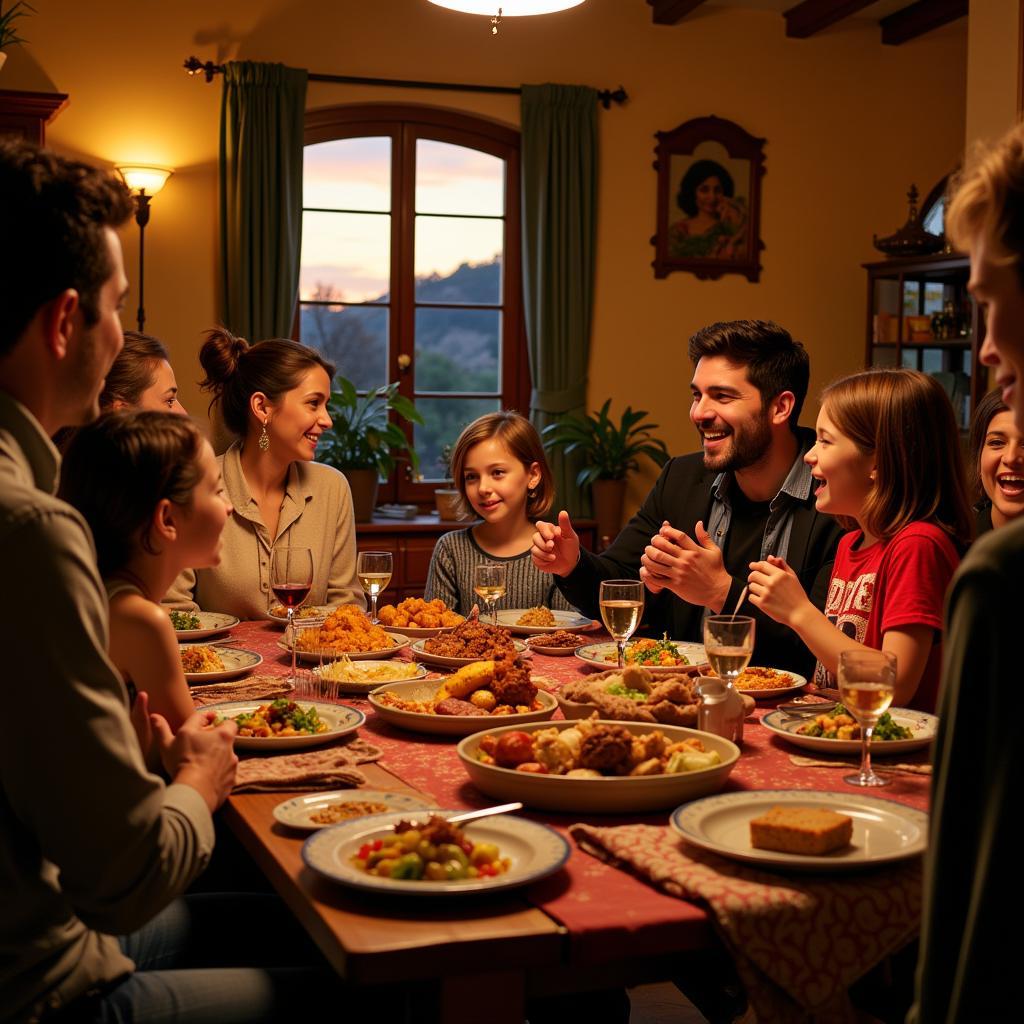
(449, 725)
(605, 656)
(211, 623)
(298, 812)
(572, 621)
(411, 670)
(883, 830)
(446, 662)
(340, 720)
(237, 662)
(305, 618)
(551, 652)
(921, 724)
(797, 683)
(535, 851)
(420, 632)
(315, 657)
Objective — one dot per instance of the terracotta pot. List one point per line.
(363, 483)
(449, 504)
(608, 497)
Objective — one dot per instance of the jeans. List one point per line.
(218, 958)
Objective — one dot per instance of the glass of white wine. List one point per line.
(489, 586)
(373, 570)
(867, 685)
(622, 604)
(729, 644)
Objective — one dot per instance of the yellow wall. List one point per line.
(849, 123)
(993, 69)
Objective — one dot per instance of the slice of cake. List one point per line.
(807, 830)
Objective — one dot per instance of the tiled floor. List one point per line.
(662, 1004)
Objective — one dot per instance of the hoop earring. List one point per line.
(264, 441)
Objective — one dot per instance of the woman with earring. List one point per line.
(273, 397)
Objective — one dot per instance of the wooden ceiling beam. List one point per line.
(919, 18)
(671, 12)
(812, 16)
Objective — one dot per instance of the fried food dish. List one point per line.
(416, 612)
(560, 638)
(471, 639)
(539, 616)
(345, 629)
(763, 679)
(636, 695)
(343, 812)
(201, 659)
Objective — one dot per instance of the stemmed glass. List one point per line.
(291, 579)
(867, 685)
(489, 585)
(622, 603)
(373, 568)
(729, 644)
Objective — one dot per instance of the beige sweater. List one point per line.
(316, 513)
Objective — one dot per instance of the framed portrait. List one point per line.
(709, 200)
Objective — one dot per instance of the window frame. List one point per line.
(405, 124)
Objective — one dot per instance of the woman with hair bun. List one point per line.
(273, 397)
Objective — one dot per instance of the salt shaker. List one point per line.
(721, 708)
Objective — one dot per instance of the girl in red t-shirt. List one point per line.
(887, 459)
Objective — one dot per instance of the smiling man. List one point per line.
(746, 495)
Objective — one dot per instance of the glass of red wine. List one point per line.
(291, 579)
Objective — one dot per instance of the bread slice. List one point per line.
(807, 830)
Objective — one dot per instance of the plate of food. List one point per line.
(208, 663)
(286, 724)
(347, 630)
(305, 616)
(198, 625)
(363, 676)
(531, 621)
(597, 766)
(899, 731)
(416, 617)
(558, 644)
(762, 683)
(805, 830)
(498, 691)
(472, 641)
(383, 854)
(633, 694)
(318, 810)
(654, 655)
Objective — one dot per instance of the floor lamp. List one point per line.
(144, 183)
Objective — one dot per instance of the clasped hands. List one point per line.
(693, 570)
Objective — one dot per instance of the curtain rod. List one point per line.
(606, 97)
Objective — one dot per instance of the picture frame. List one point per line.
(709, 200)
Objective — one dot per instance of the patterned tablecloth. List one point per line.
(600, 905)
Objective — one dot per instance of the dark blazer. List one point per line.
(682, 495)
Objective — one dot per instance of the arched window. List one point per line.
(410, 264)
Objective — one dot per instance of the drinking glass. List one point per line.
(729, 644)
(489, 585)
(291, 579)
(373, 569)
(622, 604)
(867, 685)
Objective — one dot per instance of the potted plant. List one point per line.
(364, 443)
(8, 34)
(609, 450)
(446, 497)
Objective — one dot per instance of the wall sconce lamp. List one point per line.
(144, 183)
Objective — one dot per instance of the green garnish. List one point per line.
(185, 620)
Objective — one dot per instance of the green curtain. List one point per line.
(261, 139)
(559, 154)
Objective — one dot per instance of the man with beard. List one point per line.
(747, 495)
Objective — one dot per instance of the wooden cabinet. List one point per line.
(28, 113)
(411, 543)
(921, 316)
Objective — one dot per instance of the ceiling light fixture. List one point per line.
(498, 9)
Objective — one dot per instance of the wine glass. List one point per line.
(489, 585)
(291, 579)
(373, 569)
(729, 644)
(622, 603)
(867, 685)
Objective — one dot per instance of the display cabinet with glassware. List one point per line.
(921, 316)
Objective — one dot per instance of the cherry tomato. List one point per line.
(513, 748)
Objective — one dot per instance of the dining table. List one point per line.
(589, 926)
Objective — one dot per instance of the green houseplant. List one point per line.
(8, 33)
(364, 443)
(610, 451)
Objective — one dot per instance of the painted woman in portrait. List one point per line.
(715, 225)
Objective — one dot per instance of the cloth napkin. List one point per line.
(253, 688)
(330, 767)
(799, 941)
